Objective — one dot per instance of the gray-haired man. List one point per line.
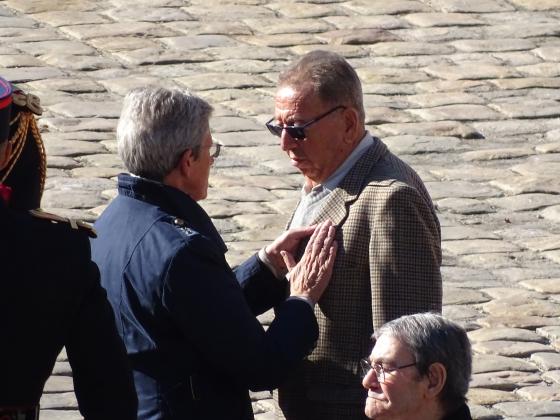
(419, 369)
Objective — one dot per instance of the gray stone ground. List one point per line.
(464, 90)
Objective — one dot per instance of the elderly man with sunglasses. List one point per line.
(187, 320)
(389, 257)
(419, 369)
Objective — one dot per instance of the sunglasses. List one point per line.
(297, 132)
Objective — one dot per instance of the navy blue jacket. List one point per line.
(187, 320)
(51, 297)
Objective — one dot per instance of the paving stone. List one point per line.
(62, 400)
(282, 40)
(218, 81)
(63, 17)
(390, 75)
(19, 61)
(485, 396)
(515, 185)
(147, 14)
(548, 148)
(510, 334)
(536, 5)
(357, 36)
(461, 296)
(430, 100)
(552, 376)
(493, 154)
(187, 43)
(516, 321)
(243, 194)
(503, 380)
(235, 12)
(467, 172)
(26, 74)
(543, 285)
(85, 32)
(540, 392)
(529, 109)
(483, 363)
(472, 6)
(442, 19)
(551, 213)
(409, 144)
(103, 160)
(464, 112)
(36, 6)
(478, 246)
(95, 172)
(460, 312)
(471, 71)
(525, 202)
(510, 348)
(513, 127)
(552, 333)
(80, 124)
(303, 10)
(23, 35)
(548, 53)
(379, 7)
(262, 221)
(435, 129)
(542, 244)
(460, 189)
(514, 296)
(60, 415)
(546, 361)
(78, 62)
(57, 383)
(122, 43)
(361, 22)
(55, 47)
(527, 82)
(450, 233)
(463, 206)
(530, 409)
(72, 147)
(67, 85)
(233, 124)
(83, 109)
(493, 45)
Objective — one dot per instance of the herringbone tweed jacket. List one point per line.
(387, 265)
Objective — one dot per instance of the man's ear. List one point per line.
(186, 161)
(437, 375)
(351, 121)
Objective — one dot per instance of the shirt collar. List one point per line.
(334, 180)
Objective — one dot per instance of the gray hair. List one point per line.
(330, 76)
(156, 126)
(432, 338)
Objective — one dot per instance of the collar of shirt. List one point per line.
(332, 182)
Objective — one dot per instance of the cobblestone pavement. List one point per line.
(467, 91)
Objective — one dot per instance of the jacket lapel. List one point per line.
(338, 202)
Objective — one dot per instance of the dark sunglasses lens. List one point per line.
(274, 129)
(297, 133)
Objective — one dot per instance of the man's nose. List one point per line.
(370, 380)
(287, 142)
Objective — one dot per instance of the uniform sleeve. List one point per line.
(405, 257)
(207, 303)
(102, 377)
(262, 290)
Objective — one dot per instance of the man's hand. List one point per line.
(311, 275)
(288, 242)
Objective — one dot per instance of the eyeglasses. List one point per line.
(297, 132)
(214, 150)
(379, 369)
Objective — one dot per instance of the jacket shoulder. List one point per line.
(48, 219)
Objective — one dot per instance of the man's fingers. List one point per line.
(288, 260)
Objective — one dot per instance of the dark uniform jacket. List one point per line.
(187, 320)
(461, 413)
(51, 297)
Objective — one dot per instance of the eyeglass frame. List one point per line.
(379, 369)
(297, 132)
(210, 146)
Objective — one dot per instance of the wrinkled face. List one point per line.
(401, 396)
(324, 149)
(200, 170)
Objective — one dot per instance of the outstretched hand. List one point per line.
(311, 275)
(289, 242)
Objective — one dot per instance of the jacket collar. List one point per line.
(171, 201)
(336, 205)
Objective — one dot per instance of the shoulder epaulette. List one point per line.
(74, 223)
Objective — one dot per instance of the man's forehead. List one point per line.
(387, 347)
